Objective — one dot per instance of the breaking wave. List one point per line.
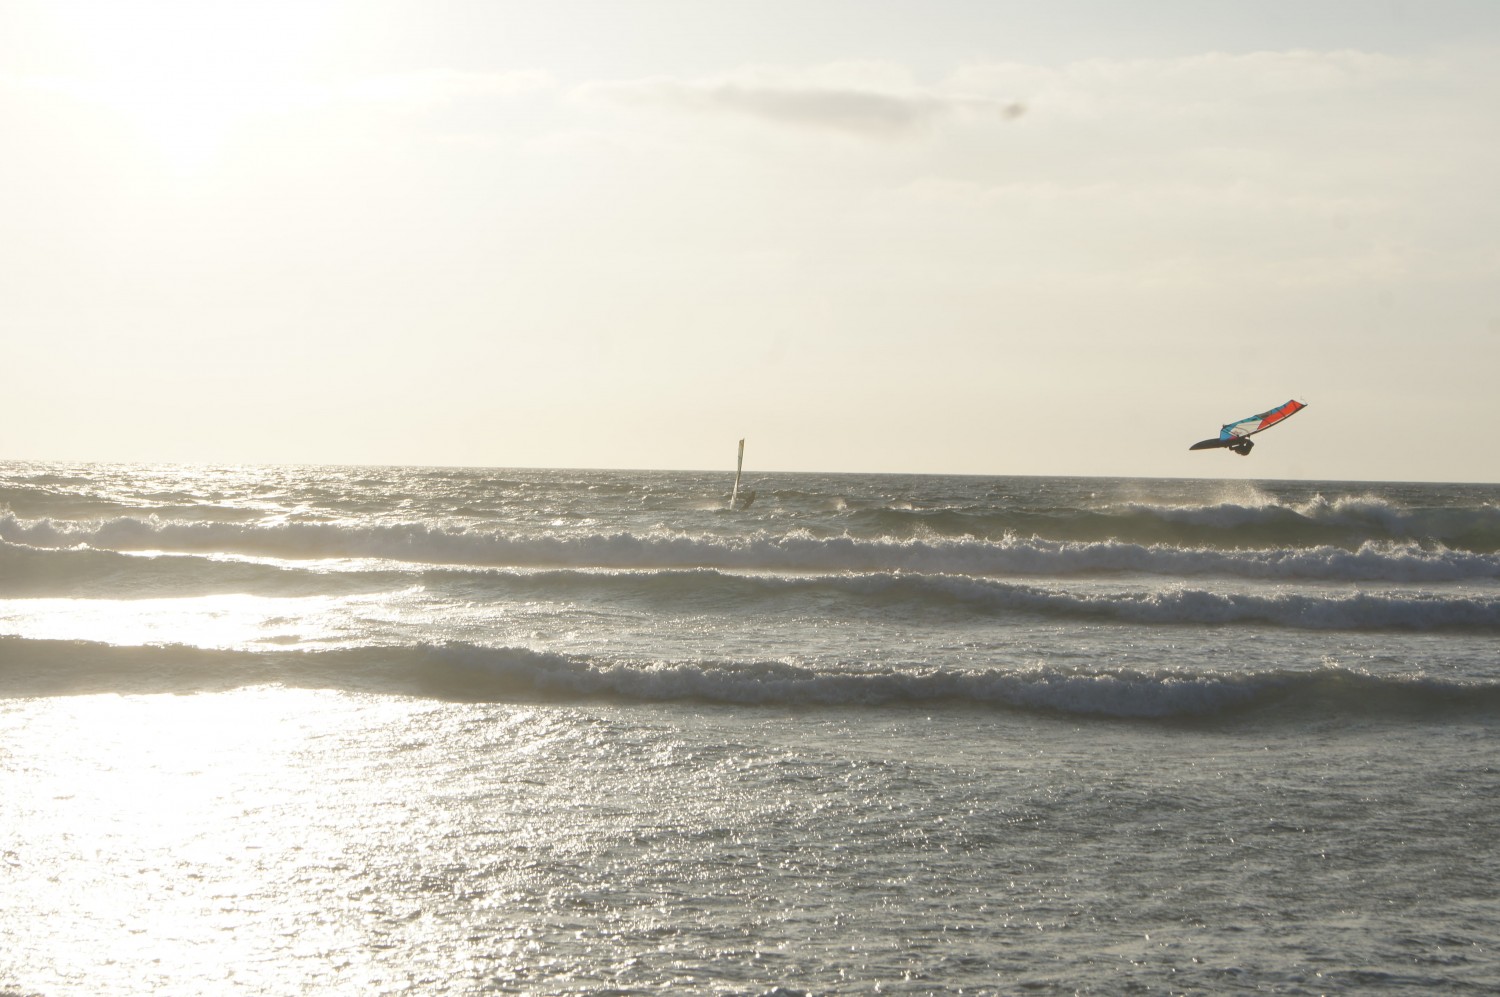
(1255, 519)
(473, 673)
(34, 572)
(1408, 561)
(1348, 520)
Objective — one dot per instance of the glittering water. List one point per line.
(399, 730)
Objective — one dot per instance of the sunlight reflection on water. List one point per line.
(163, 837)
(213, 621)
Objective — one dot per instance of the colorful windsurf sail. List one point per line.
(1235, 436)
(1251, 425)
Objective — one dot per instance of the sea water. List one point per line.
(275, 730)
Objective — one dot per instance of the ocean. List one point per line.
(401, 730)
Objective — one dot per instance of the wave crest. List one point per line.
(1407, 561)
(473, 673)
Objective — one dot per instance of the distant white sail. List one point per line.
(735, 499)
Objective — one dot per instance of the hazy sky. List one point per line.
(979, 237)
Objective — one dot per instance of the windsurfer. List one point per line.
(1236, 435)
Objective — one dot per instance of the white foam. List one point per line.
(1407, 561)
(1360, 514)
(1114, 693)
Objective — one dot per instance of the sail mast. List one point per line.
(738, 467)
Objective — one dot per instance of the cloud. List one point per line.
(849, 110)
(876, 100)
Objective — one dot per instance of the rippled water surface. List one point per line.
(402, 730)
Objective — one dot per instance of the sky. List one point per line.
(948, 236)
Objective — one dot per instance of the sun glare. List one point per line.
(189, 76)
(217, 621)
